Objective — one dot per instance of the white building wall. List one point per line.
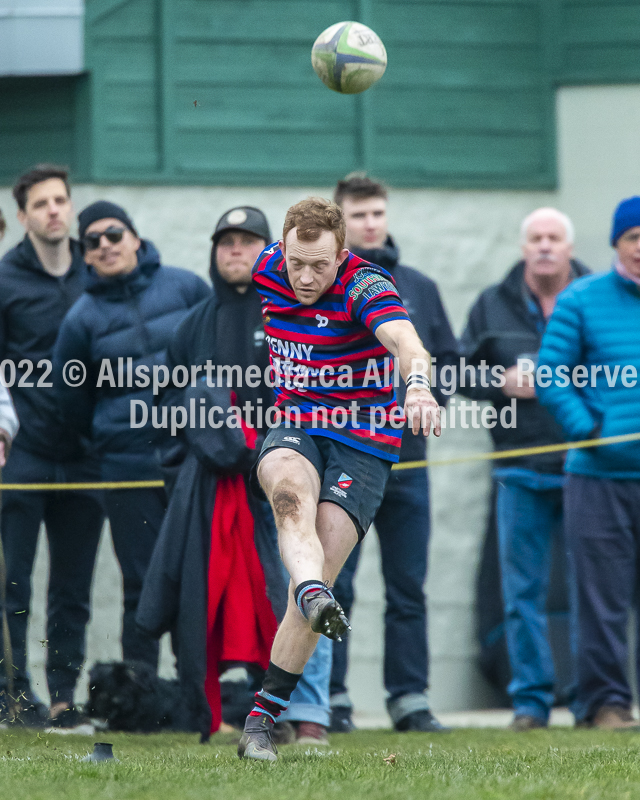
(465, 241)
(41, 38)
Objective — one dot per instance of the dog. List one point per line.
(129, 696)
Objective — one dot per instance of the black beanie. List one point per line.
(103, 209)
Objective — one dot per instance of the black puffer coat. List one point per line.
(129, 316)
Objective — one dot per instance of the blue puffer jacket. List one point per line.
(596, 322)
(129, 316)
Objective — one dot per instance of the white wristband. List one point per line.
(418, 380)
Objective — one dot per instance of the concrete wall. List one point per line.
(465, 241)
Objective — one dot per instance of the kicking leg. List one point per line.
(295, 640)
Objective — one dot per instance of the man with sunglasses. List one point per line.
(40, 279)
(119, 329)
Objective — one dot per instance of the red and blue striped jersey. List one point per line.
(332, 376)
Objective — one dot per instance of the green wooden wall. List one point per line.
(42, 119)
(222, 92)
(466, 99)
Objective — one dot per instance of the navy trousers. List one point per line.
(602, 520)
(73, 521)
(135, 517)
(403, 525)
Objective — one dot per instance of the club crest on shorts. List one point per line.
(344, 481)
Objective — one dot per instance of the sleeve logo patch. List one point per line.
(371, 285)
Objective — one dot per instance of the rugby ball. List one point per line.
(348, 57)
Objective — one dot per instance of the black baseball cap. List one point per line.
(243, 218)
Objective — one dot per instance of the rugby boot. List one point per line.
(325, 614)
(256, 742)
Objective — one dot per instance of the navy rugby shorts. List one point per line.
(350, 478)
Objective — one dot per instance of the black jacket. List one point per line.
(225, 329)
(129, 316)
(174, 595)
(33, 304)
(422, 300)
(501, 328)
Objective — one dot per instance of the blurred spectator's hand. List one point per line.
(518, 384)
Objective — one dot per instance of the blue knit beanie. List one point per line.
(626, 215)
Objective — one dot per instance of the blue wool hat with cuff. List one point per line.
(626, 215)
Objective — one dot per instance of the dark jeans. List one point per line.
(135, 517)
(602, 519)
(73, 522)
(402, 524)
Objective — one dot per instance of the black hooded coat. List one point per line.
(225, 329)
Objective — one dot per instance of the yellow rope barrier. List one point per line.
(492, 456)
(523, 451)
(59, 487)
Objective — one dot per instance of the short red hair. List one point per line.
(312, 216)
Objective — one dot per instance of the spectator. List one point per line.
(403, 557)
(505, 324)
(40, 279)
(226, 329)
(8, 418)
(595, 326)
(125, 319)
(8, 423)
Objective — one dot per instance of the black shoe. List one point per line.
(341, 720)
(256, 742)
(325, 615)
(422, 721)
(69, 718)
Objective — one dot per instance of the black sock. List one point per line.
(277, 688)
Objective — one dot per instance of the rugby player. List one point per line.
(332, 321)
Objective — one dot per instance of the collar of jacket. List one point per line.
(120, 287)
(386, 256)
(27, 258)
(513, 284)
(629, 284)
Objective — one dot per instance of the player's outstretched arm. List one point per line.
(402, 341)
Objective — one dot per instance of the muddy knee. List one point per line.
(286, 503)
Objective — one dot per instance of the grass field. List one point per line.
(464, 765)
